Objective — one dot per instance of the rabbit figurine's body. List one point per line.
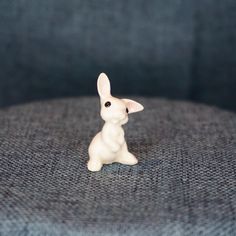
(109, 145)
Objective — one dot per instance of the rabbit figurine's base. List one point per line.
(96, 164)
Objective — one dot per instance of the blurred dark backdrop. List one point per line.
(181, 49)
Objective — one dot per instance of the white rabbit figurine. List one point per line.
(109, 145)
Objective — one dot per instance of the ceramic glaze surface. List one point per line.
(109, 145)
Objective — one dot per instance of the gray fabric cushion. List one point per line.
(184, 184)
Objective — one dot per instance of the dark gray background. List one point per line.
(181, 49)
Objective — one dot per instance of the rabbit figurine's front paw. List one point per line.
(115, 148)
(94, 165)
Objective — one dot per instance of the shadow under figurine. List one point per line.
(109, 145)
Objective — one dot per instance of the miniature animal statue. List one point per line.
(109, 145)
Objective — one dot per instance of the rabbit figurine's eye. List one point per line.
(107, 104)
(127, 110)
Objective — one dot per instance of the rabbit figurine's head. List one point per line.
(113, 109)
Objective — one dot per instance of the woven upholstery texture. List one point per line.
(184, 184)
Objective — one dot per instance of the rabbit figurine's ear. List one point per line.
(103, 86)
(133, 106)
